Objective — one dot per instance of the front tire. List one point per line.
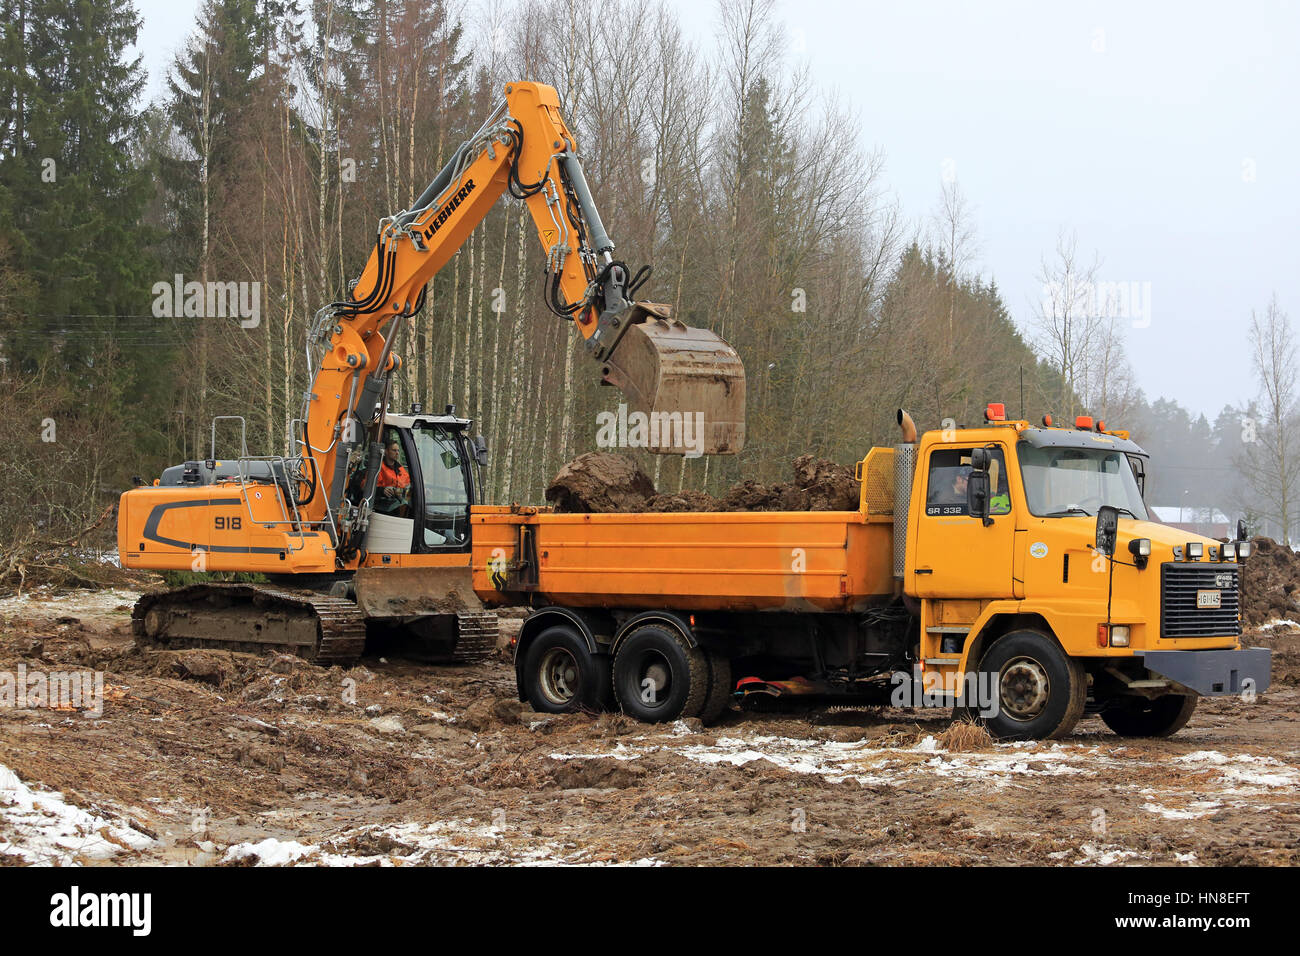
(1039, 691)
(561, 676)
(658, 676)
(1143, 717)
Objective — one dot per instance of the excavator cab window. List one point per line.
(445, 481)
(393, 488)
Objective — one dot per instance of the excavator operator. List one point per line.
(394, 484)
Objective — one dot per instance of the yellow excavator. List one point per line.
(365, 525)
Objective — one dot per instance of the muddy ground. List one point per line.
(215, 758)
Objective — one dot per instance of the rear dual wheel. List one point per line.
(659, 676)
(561, 675)
(656, 676)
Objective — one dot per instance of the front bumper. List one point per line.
(1214, 673)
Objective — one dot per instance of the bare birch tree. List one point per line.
(1271, 459)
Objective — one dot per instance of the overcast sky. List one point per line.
(1166, 135)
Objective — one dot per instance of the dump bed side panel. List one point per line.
(804, 561)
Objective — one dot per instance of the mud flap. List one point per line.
(688, 379)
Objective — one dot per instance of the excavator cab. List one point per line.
(428, 480)
(413, 583)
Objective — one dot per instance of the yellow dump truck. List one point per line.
(1009, 570)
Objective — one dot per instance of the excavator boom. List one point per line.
(665, 369)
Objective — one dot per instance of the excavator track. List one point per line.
(476, 637)
(255, 618)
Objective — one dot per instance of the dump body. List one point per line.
(835, 561)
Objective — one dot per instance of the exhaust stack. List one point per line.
(904, 470)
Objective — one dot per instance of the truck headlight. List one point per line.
(1229, 551)
(1140, 548)
(1194, 550)
(1244, 550)
(1119, 635)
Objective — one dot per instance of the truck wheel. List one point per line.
(1039, 691)
(1142, 717)
(561, 675)
(721, 685)
(658, 676)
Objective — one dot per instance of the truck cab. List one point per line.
(1002, 537)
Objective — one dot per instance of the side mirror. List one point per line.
(1107, 529)
(1241, 529)
(479, 446)
(977, 485)
(977, 496)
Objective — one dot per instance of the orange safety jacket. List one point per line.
(389, 477)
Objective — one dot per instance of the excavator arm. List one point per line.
(688, 377)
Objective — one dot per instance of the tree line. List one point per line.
(288, 128)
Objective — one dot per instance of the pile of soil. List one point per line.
(1269, 582)
(602, 482)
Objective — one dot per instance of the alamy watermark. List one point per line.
(677, 430)
(53, 690)
(979, 691)
(1099, 300)
(208, 300)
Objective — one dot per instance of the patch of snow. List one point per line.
(620, 752)
(438, 843)
(1257, 778)
(270, 852)
(69, 603)
(1202, 756)
(1092, 855)
(40, 826)
(1200, 808)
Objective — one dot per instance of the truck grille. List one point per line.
(1179, 615)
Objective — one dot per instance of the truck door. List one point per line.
(956, 555)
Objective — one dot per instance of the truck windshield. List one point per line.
(1066, 481)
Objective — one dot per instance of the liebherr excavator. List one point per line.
(367, 523)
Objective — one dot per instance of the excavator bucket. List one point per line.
(690, 382)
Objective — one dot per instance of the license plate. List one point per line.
(1209, 598)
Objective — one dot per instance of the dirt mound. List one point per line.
(1269, 582)
(602, 482)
